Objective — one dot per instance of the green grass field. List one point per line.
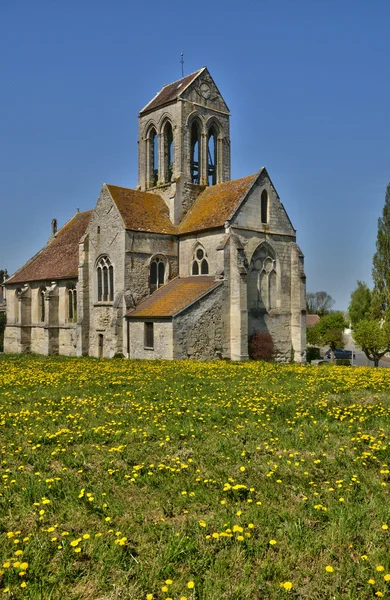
(171, 480)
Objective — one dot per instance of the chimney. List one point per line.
(53, 227)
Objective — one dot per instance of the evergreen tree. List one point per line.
(381, 265)
(360, 306)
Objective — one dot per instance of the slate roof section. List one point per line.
(171, 92)
(59, 259)
(174, 297)
(142, 211)
(216, 204)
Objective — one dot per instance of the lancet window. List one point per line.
(42, 307)
(72, 305)
(264, 206)
(212, 156)
(168, 152)
(157, 273)
(195, 152)
(152, 157)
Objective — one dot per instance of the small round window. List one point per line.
(199, 254)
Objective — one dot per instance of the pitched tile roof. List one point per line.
(312, 320)
(170, 92)
(142, 211)
(60, 257)
(174, 297)
(216, 204)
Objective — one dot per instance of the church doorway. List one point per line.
(100, 345)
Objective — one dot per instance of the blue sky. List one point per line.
(307, 83)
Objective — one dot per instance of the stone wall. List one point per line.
(197, 331)
(210, 242)
(163, 340)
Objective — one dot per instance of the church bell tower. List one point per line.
(184, 142)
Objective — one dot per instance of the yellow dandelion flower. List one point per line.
(386, 577)
(273, 542)
(385, 527)
(164, 588)
(149, 596)
(371, 581)
(329, 569)
(23, 584)
(380, 568)
(168, 581)
(190, 585)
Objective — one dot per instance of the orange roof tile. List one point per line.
(216, 204)
(171, 92)
(60, 257)
(142, 211)
(174, 297)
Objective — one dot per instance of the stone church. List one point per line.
(187, 265)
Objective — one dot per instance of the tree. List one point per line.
(381, 265)
(373, 338)
(328, 332)
(360, 306)
(319, 303)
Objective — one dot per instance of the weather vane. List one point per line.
(182, 64)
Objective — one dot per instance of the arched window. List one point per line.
(195, 152)
(264, 206)
(42, 307)
(105, 280)
(152, 157)
(212, 156)
(72, 305)
(200, 266)
(262, 281)
(157, 273)
(168, 152)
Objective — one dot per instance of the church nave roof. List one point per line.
(59, 259)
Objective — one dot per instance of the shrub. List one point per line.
(261, 346)
(343, 362)
(313, 353)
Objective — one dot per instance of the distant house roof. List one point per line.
(216, 204)
(312, 320)
(142, 211)
(171, 92)
(174, 297)
(59, 259)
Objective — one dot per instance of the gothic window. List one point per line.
(72, 305)
(157, 273)
(168, 152)
(195, 152)
(149, 336)
(152, 157)
(262, 282)
(105, 280)
(212, 158)
(42, 308)
(200, 266)
(264, 206)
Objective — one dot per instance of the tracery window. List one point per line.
(42, 307)
(157, 273)
(105, 280)
(72, 305)
(200, 265)
(262, 282)
(264, 206)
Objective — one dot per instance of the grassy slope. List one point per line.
(185, 472)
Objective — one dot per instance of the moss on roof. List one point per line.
(216, 204)
(142, 211)
(174, 297)
(59, 259)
